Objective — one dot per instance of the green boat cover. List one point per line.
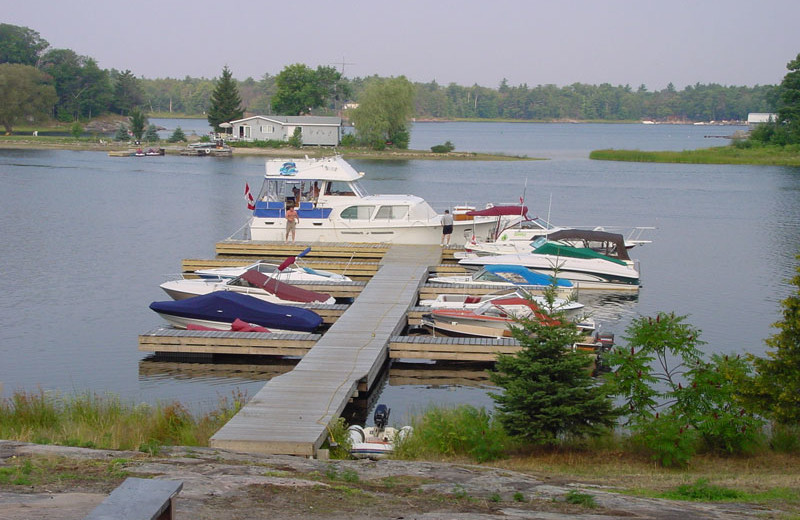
(556, 249)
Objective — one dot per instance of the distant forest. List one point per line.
(576, 102)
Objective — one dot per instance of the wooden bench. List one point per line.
(139, 499)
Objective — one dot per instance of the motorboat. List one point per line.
(491, 319)
(221, 309)
(333, 206)
(518, 236)
(250, 282)
(509, 275)
(569, 307)
(297, 274)
(609, 268)
(376, 442)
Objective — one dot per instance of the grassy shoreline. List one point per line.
(732, 154)
(105, 422)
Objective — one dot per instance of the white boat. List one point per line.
(334, 207)
(491, 319)
(250, 282)
(583, 266)
(271, 269)
(376, 442)
(570, 308)
(512, 276)
(518, 236)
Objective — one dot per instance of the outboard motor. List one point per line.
(381, 416)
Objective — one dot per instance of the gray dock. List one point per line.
(290, 415)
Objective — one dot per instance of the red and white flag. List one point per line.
(251, 203)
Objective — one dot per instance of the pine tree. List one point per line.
(177, 135)
(777, 383)
(549, 392)
(225, 101)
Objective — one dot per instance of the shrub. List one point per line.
(443, 148)
(177, 136)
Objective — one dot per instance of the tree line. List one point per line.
(83, 90)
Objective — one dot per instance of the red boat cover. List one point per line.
(499, 211)
(284, 291)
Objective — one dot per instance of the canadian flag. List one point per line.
(251, 203)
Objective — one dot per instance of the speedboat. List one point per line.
(250, 282)
(491, 319)
(271, 269)
(376, 442)
(219, 310)
(611, 269)
(518, 236)
(570, 308)
(334, 207)
(509, 275)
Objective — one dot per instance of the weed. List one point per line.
(519, 497)
(702, 490)
(495, 497)
(582, 499)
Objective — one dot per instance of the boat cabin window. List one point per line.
(538, 242)
(291, 190)
(358, 212)
(392, 212)
(487, 276)
(342, 189)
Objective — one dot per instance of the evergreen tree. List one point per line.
(777, 382)
(151, 134)
(225, 101)
(138, 122)
(122, 133)
(177, 135)
(789, 112)
(128, 93)
(549, 392)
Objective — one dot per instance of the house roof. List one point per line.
(761, 117)
(294, 120)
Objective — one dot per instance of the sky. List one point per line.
(466, 42)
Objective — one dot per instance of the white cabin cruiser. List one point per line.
(334, 207)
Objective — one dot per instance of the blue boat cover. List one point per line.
(226, 306)
(530, 277)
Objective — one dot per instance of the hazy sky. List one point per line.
(634, 42)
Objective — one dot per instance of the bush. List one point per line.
(349, 140)
(76, 129)
(443, 148)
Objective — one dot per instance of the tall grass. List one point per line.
(104, 421)
(463, 431)
(739, 154)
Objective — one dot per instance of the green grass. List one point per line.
(733, 154)
(463, 431)
(104, 421)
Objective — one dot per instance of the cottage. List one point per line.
(756, 118)
(316, 130)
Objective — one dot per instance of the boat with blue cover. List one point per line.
(218, 310)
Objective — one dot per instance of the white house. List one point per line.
(316, 130)
(756, 118)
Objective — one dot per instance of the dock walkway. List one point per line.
(291, 413)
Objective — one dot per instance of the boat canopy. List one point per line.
(227, 306)
(499, 211)
(325, 168)
(282, 290)
(611, 244)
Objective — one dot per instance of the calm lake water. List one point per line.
(87, 239)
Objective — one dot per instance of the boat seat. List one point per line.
(306, 206)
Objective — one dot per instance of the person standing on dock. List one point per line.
(292, 218)
(447, 227)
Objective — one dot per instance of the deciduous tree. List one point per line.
(20, 45)
(226, 105)
(25, 94)
(299, 89)
(383, 112)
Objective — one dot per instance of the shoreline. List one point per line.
(39, 143)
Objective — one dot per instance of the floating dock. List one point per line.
(291, 414)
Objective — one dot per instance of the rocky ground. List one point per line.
(223, 485)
